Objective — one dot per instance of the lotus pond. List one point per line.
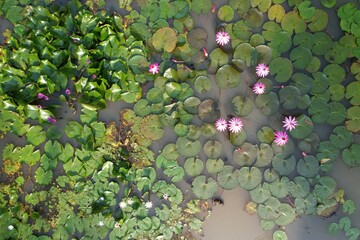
(129, 119)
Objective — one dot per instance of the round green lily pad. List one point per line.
(308, 166)
(276, 13)
(212, 149)
(181, 130)
(341, 137)
(318, 21)
(328, 3)
(202, 84)
(249, 177)
(267, 103)
(337, 112)
(299, 187)
(214, 165)
(197, 38)
(288, 97)
(187, 147)
(280, 187)
(352, 93)
(309, 143)
(256, 40)
(319, 110)
(303, 129)
(293, 23)
(350, 155)
(269, 209)
(283, 166)
(201, 6)
(225, 13)
(265, 134)
(280, 43)
(281, 68)
(191, 105)
(240, 6)
(218, 58)
(242, 106)
(287, 215)
(270, 30)
(227, 178)
(204, 188)
(306, 11)
(142, 108)
(301, 57)
(322, 43)
(237, 139)
(280, 235)
(253, 18)
(270, 175)
(241, 31)
(247, 53)
(227, 77)
(246, 154)
(164, 39)
(302, 82)
(260, 194)
(264, 53)
(264, 155)
(193, 166)
(206, 110)
(304, 39)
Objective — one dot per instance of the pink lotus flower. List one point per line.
(51, 120)
(221, 124)
(281, 138)
(222, 38)
(290, 123)
(262, 70)
(259, 88)
(154, 68)
(235, 125)
(67, 91)
(40, 95)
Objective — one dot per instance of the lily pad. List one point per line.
(202, 84)
(306, 10)
(299, 187)
(227, 178)
(206, 110)
(201, 6)
(265, 134)
(241, 31)
(283, 166)
(279, 188)
(253, 18)
(249, 177)
(247, 53)
(302, 82)
(319, 110)
(197, 38)
(170, 152)
(288, 97)
(308, 166)
(310, 143)
(270, 30)
(325, 189)
(270, 175)
(327, 153)
(191, 105)
(188, 148)
(164, 39)
(280, 43)
(257, 40)
(287, 215)
(318, 21)
(322, 43)
(350, 155)
(193, 166)
(337, 113)
(246, 154)
(267, 103)
(337, 92)
(240, 6)
(276, 13)
(260, 194)
(304, 39)
(293, 23)
(264, 53)
(225, 13)
(353, 116)
(280, 235)
(181, 130)
(237, 139)
(204, 188)
(242, 106)
(341, 137)
(304, 128)
(227, 77)
(264, 155)
(301, 57)
(212, 149)
(353, 93)
(214, 165)
(281, 68)
(269, 209)
(328, 3)
(218, 58)
(208, 130)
